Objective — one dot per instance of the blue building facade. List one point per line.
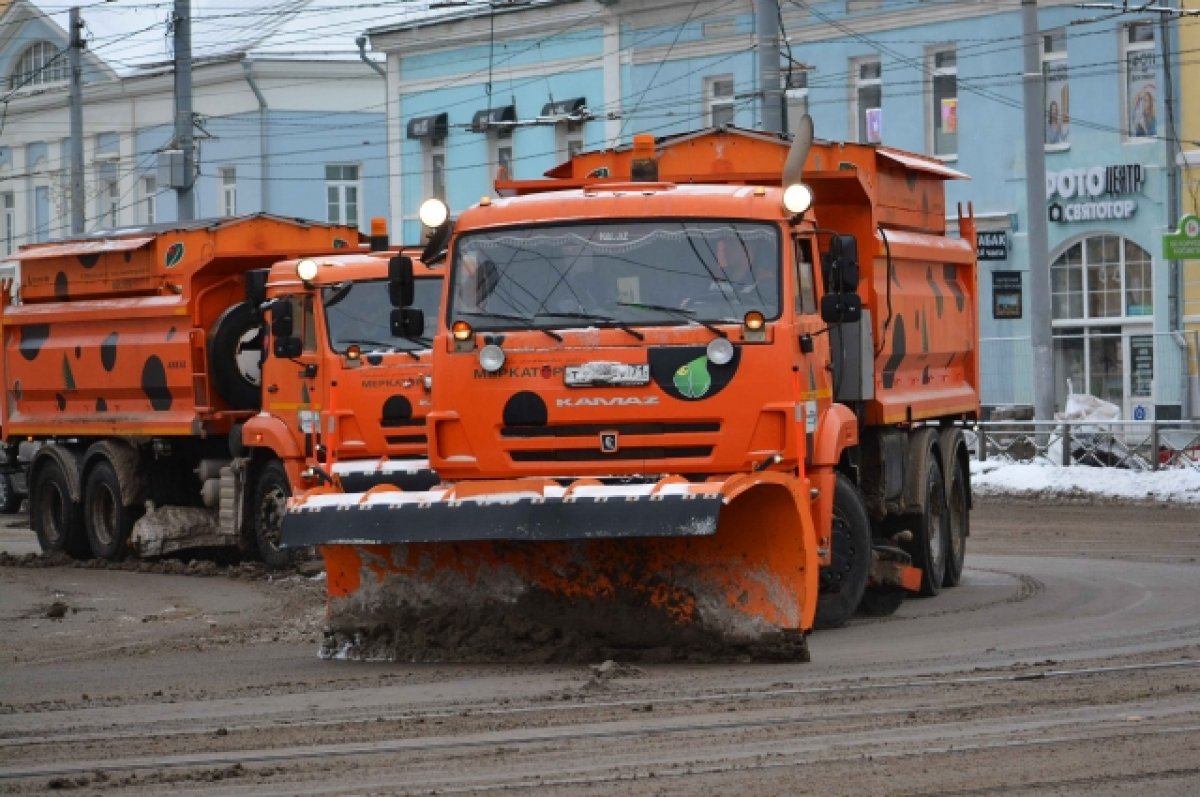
(482, 91)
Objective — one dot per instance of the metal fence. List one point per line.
(1006, 368)
(1134, 445)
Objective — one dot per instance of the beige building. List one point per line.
(1189, 141)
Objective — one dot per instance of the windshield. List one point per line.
(628, 272)
(360, 313)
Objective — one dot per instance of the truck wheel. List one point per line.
(107, 519)
(270, 501)
(10, 499)
(959, 518)
(54, 516)
(844, 581)
(930, 544)
(235, 357)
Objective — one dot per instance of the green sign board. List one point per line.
(1184, 243)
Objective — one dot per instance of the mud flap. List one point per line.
(735, 558)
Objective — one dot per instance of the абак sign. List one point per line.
(991, 245)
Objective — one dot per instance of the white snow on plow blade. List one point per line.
(395, 499)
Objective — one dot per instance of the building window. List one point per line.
(1057, 96)
(435, 170)
(108, 196)
(341, 194)
(41, 214)
(868, 101)
(568, 139)
(1140, 66)
(41, 63)
(8, 223)
(500, 153)
(944, 93)
(796, 96)
(1105, 276)
(227, 176)
(718, 100)
(149, 200)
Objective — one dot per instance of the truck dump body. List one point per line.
(113, 335)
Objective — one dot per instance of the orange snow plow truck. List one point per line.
(146, 415)
(665, 382)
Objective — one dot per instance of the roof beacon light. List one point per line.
(433, 212)
(306, 270)
(797, 198)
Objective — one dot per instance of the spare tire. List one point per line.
(235, 355)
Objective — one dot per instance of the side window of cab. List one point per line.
(806, 294)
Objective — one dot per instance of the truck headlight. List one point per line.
(491, 358)
(720, 351)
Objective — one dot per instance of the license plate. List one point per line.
(602, 373)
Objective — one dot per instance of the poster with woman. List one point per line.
(1058, 103)
(1143, 115)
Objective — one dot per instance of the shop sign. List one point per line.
(1184, 243)
(991, 245)
(1006, 294)
(1096, 191)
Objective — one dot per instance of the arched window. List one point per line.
(41, 63)
(1101, 303)
(1104, 276)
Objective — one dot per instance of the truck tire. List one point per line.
(107, 520)
(270, 499)
(959, 518)
(235, 357)
(845, 580)
(55, 518)
(930, 543)
(10, 499)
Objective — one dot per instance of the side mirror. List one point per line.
(286, 348)
(843, 252)
(401, 288)
(256, 288)
(407, 322)
(281, 320)
(435, 247)
(841, 308)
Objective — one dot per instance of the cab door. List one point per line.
(294, 387)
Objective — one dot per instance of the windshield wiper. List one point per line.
(678, 312)
(512, 317)
(621, 325)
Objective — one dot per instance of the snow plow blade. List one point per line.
(730, 562)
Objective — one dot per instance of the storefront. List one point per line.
(1103, 292)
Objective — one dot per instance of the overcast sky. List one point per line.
(129, 34)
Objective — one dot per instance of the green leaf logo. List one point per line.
(174, 255)
(692, 379)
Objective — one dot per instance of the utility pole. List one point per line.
(75, 101)
(1175, 311)
(1041, 328)
(766, 42)
(184, 139)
